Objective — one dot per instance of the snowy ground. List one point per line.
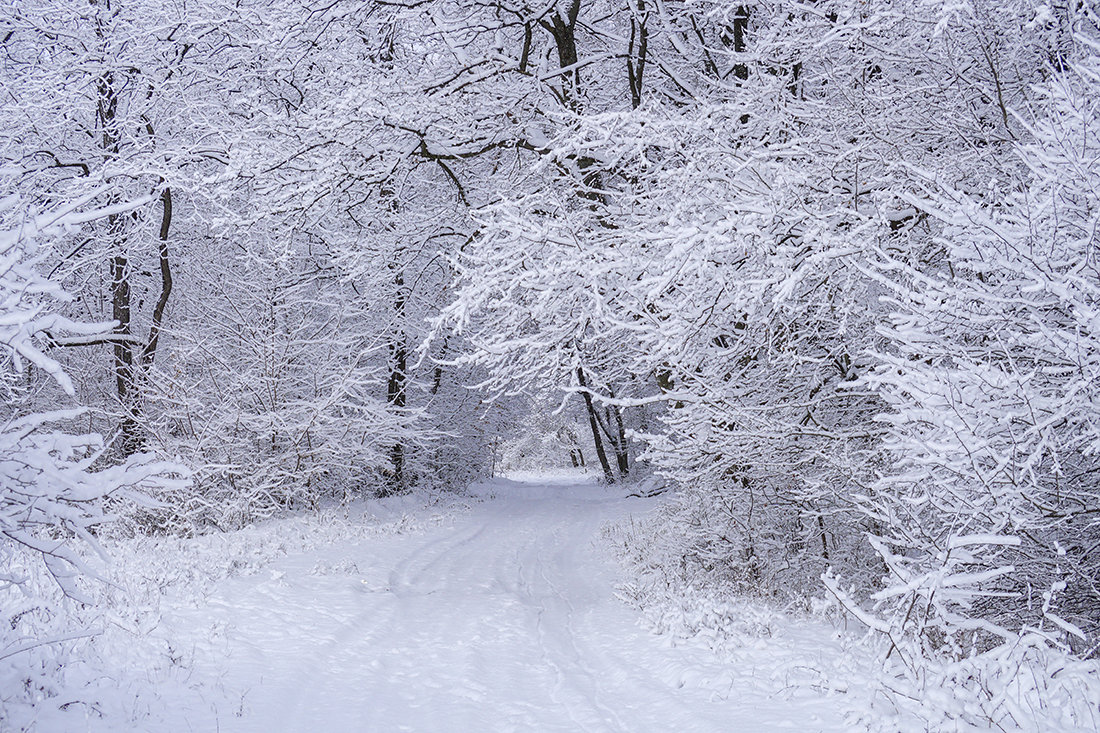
(500, 617)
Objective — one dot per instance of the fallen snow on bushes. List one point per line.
(1029, 684)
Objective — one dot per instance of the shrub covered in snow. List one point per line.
(54, 486)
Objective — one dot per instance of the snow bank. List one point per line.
(1029, 684)
(112, 665)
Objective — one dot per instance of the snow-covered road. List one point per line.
(503, 618)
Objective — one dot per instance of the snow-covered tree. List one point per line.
(57, 485)
(991, 370)
(52, 489)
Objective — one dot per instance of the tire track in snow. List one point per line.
(557, 636)
(505, 620)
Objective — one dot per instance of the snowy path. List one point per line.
(501, 619)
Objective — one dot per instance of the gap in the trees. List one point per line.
(542, 439)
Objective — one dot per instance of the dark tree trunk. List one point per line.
(123, 349)
(594, 425)
(564, 31)
(637, 49)
(525, 56)
(735, 37)
(395, 389)
(149, 353)
(437, 373)
(738, 32)
(824, 538)
(119, 271)
(622, 453)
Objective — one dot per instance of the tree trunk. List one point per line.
(564, 31)
(622, 452)
(637, 49)
(395, 389)
(119, 271)
(736, 39)
(149, 353)
(594, 425)
(123, 349)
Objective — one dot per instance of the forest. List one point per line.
(823, 274)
